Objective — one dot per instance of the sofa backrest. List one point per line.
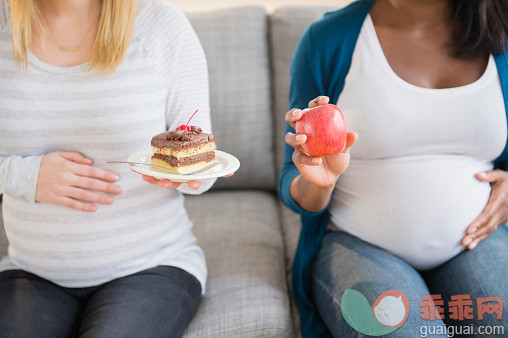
(235, 41)
(249, 55)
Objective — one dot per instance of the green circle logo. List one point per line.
(387, 314)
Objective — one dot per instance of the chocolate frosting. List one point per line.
(208, 156)
(183, 135)
(181, 139)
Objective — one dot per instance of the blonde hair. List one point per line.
(114, 34)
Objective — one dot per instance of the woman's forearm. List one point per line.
(309, 196)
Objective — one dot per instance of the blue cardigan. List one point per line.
(320, 66)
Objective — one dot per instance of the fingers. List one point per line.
(75, 157)
(352, 137)
(170, 184)
(471, 241)
(296, 114)
(490, 210)
(94, 184)
(161, 183)
(292, 116)
(150, 179)
(319, 101)
(299, 158)
(475, 243)
(77, 205)
(89, 171)
(295, 140)
(173, 185)
(228, 175)
(492, 216)
(194, 184)
(87, 196)
(491, 176)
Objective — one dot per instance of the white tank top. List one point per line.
(411, 188)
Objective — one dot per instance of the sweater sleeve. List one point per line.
(18, 176)
(181, 62)
(305, 86)
(189, 90)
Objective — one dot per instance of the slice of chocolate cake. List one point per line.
(183, 151)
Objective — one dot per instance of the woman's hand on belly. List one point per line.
(68, 178)
(312, 189)
(496, 211)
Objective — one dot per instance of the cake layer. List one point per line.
(186, 169)
(199, 149)
(175, 162)
(181, 139)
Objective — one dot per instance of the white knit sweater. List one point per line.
(161, 82)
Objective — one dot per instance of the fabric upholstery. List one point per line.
(291, 226)
(236, 45)
(246, 290)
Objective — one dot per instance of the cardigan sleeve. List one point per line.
(502, 68)
(305, 86)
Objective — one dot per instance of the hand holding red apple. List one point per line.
(322, 133)
(325, 128)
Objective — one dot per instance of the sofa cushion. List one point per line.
(236, 46)
(246, 289)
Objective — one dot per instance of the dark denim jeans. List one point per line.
(346, 262)
(158, 302)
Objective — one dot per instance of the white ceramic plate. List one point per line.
(228, 164)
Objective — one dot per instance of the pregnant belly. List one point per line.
(416, 209)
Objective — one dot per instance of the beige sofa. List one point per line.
(248, 236)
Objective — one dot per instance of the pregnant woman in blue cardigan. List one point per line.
(424, 85)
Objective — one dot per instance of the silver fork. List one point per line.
(164, 168)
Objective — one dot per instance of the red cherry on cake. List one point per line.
(325, 128)
(186, 127)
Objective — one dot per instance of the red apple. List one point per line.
(325, 128)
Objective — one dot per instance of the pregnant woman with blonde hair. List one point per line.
(95, 252)
(413, 204)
